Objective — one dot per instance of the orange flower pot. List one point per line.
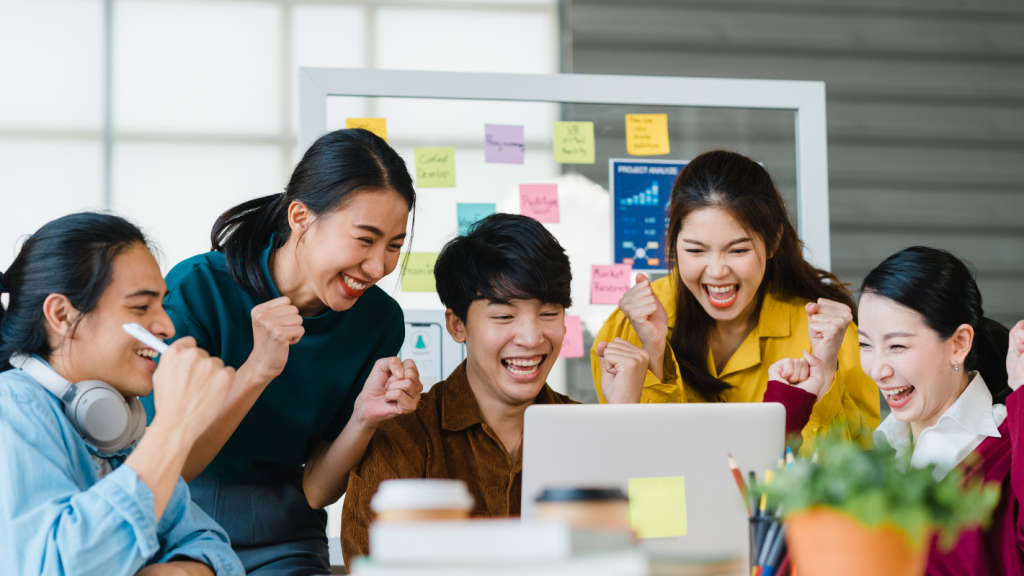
(825, 542)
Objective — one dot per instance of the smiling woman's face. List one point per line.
(101, 349)
(720, 263)
(911, 364)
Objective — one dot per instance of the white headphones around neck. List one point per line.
(99, 413)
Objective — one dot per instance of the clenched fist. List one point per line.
(276, 325)
(805, 373)
(393, 388)
(623, 369)
(650, 322)
(827, 322)
(190, 387)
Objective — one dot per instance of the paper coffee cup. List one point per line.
(586, 508)
(418, 499)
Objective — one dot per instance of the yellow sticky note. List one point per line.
(574, 142)
(647, 134)
(657, 506)
(418, 274)
(378, 126)
(435, 167)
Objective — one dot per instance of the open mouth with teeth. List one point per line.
(352, 286)
(721, 296)
(523, 368)
(148, 356)
(898, 397)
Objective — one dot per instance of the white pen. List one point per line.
(146, 337)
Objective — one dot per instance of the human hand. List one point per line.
(646, 314)
(189, 388)
(827, 322)
(806, 373)
(623, 369)
(276, 325)
(393, 388)
(1015, 356)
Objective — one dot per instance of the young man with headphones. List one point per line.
(87, 488)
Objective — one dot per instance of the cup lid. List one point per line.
(421, 494)
(566, 494)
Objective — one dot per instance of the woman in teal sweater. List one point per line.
(288, 298)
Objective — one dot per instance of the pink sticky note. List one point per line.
(608, 282)
(572, 344)
(539, 201)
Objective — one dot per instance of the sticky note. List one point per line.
(539, 201)
(435, 167)
(647, 134)
(572, 344)
(657, 506)
(504, 144)
(574, 142)
(608, 282)
(418, 275)
(378, 126)
(468, 214)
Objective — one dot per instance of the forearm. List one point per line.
(326, 473)
(158, 460)
(177, 568)
(656, 353)
(248, 385)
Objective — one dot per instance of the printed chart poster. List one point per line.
(641, 190)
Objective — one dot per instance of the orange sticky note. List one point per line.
(378, 126)
(608, 282)
(572, 344)
(647, 134)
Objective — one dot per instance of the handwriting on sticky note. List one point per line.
(608, 282)
(574, 142)
(418, 275)
(539, 201)
(378, 126)
(657, 506)
(647, 134)
(572, 344)
(504, 144)
(469, 214)
(435, 167)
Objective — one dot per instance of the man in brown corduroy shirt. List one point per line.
(506, 287)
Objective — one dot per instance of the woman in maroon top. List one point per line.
(945, 371)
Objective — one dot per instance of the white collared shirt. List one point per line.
(971, 419)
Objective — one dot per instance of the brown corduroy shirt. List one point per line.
(446, 437)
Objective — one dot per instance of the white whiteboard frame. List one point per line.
(806, 99)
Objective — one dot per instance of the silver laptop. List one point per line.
(604, 445)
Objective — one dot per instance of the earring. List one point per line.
(956, 365)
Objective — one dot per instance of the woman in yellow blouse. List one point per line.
(740, 297)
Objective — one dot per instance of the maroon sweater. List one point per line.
(996, 550)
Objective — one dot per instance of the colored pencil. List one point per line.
(784, 567)
(738, 476)
(789, 457)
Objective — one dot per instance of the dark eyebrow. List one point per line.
(737, 241)
(376, 231)
(887, 336)
(145, 292)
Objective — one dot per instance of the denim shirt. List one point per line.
(65, 511)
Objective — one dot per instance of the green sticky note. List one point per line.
(657, 506)
(469, 214)
(574, 142)
(418, 275)
(435, 167)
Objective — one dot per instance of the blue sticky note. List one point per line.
(470, 213)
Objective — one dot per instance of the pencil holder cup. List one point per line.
(765, 532)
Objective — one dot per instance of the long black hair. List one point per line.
(73, 256)
(336, 166)
(941, 288)
(742, 187)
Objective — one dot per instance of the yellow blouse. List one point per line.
(781, 332)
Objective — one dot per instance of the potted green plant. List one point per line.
(856, 511)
